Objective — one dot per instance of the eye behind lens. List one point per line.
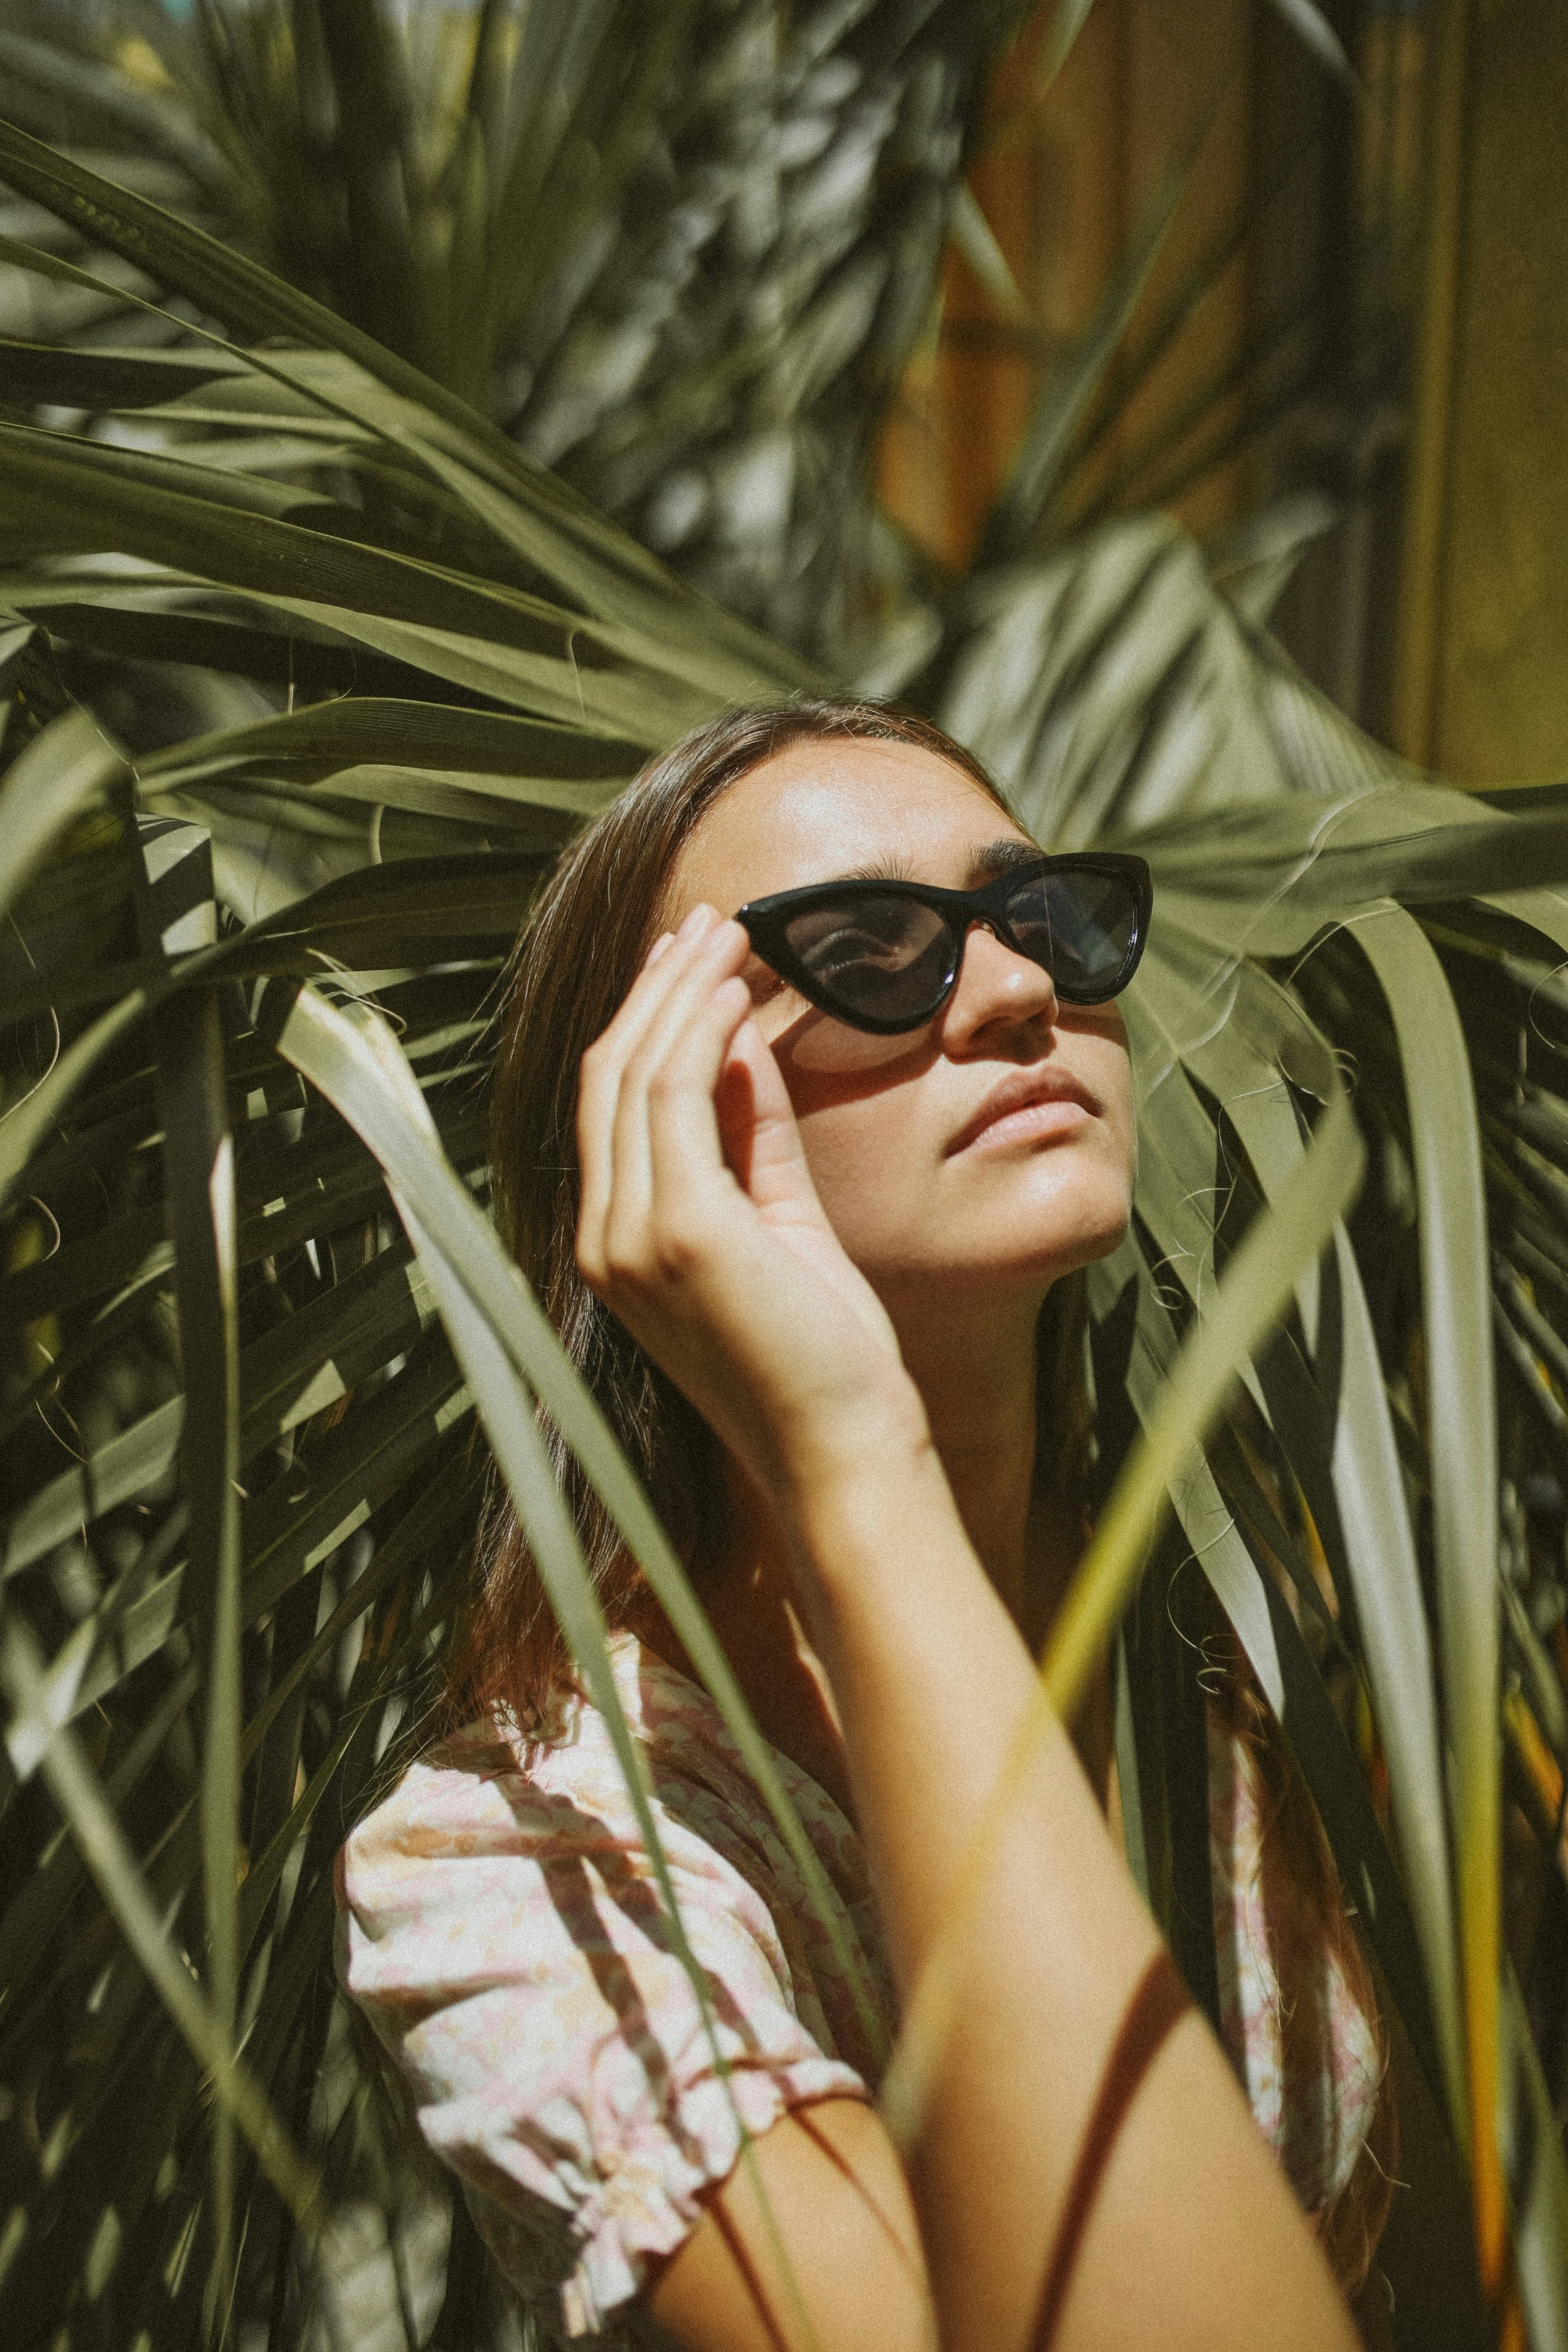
(887, 959)
(1079, 923)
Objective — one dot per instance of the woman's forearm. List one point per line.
(1195, 2238)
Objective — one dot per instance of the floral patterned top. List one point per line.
(500, 1925)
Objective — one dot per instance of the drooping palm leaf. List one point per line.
(680, 253)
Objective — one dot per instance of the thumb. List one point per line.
(757, 1127)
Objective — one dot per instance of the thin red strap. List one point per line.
(1161, 2001)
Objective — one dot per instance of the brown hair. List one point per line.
(577, 956)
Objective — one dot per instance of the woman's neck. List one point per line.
(977, 1377)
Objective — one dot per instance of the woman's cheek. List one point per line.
(1107, 1068)
(860, 1165)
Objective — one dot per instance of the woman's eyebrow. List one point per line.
(890, 866)
(987, 865)
(999, 857)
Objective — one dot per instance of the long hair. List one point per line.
(576, 958)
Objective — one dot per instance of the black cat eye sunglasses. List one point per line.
(885, 956)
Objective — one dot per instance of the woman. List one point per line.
(796, 1221)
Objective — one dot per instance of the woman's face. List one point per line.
(992, 1150)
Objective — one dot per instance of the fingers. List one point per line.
(666, 1134)
(599, 1097)
(761, 1138)
(690, 1175)
(739, 1289)
(669, 1035)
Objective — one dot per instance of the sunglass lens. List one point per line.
(1078, 924)
(890, 959)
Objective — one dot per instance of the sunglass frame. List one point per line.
(767, 923)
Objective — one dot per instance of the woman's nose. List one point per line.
(996, 983)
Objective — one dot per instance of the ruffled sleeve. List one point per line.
(505, 1936)
(1297, 2012)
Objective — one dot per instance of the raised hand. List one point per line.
(700, 1228)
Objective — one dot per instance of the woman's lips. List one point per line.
(1033, 1108)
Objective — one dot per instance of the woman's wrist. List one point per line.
(810, 1411)
(831, 1450)
(874, 1501)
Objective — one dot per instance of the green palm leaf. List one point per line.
(367, 646)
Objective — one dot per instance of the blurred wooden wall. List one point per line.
(1389, 331)
(1068, 170)
(1481, 681)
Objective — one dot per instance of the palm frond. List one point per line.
(343, 638)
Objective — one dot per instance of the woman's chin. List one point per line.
(1052, 1217)
(1066, 1246)
(1002, 1267)
(1059, 1226)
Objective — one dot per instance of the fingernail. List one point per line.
(664, 940)
(696, 923)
